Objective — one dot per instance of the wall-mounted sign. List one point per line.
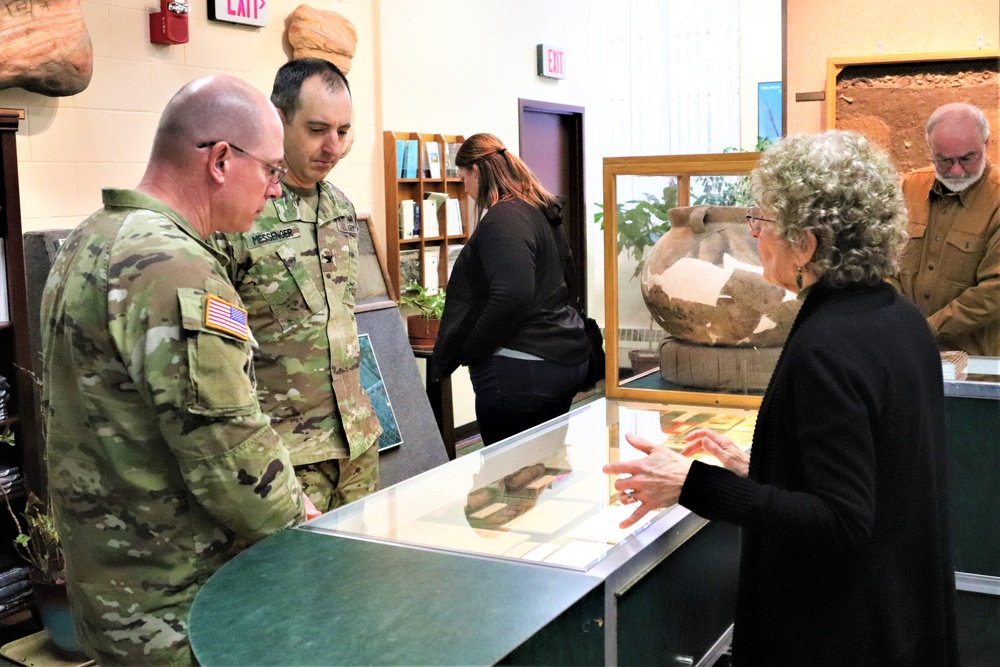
(551, 61)
(247, 12)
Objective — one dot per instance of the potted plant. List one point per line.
(37, 542)
(422, 327)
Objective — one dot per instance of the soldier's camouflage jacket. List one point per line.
(298, 280)
(159, 458)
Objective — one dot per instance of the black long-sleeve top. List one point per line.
(846, 555)
(508, 289)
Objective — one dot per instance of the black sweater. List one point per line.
(846, 555)
(508, 289)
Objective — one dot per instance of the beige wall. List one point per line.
(459, 67)
(69, 147)
(760, 59)
(450, 66)
(820, 29)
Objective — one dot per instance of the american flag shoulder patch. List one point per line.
(224, 316)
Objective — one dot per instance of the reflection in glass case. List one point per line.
(542, 496)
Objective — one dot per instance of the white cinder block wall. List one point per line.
(69, 147)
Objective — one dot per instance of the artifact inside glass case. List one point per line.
(542, 496)
(704, 284)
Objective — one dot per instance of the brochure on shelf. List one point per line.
(411, 158)
(453, 217)
(433, 154)
(400, 156)
(429, 216)
(407, 221)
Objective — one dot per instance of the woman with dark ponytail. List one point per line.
(507, 315)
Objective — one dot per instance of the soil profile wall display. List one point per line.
(890, 101)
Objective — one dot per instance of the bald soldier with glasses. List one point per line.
(951, 265)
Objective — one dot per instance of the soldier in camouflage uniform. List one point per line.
(160, 461)
(296, 271)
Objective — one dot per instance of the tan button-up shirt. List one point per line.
(951, 265)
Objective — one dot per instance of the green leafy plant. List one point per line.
(37, 540)
(641, 222)
(429, 304)
(727, 191)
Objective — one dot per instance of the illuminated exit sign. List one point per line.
(551, 61)
(247, 12)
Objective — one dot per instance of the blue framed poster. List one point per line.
(769, 110)
(374, 386)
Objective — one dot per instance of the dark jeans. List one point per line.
(513, 395)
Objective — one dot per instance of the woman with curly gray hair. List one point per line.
(846, 554)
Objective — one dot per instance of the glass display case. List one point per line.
(544, 498)
(507, 555)
(685, 285)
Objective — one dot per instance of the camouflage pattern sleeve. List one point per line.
(197, 379)
(160, 463)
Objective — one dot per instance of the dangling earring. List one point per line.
(798, 278)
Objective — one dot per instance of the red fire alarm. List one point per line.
(170, 24)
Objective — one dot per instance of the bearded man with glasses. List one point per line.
(951, 265)
(296, 270)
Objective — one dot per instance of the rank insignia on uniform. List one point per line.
(348, 225)
(224, 316)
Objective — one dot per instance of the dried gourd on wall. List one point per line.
(45, 47)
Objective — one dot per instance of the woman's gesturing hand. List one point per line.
(705, 440)
(655, 480)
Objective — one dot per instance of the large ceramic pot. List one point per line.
(703, 282)
(53, 607)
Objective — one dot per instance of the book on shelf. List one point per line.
(453, 252)
(432, 166)
(431, 264)
(954, 364)
(411, 158)
(4, 308)
(407, 219)
(453, 217)
(400, 155)
(450, 151)
(409, 268)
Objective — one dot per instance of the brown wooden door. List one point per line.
(551, 138)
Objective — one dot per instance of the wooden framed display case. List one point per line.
(511, 554)
(631, 179)
(423, 255)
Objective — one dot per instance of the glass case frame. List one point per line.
(683, 168)
(540, 497)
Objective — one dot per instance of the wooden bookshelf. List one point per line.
(433, 241)
(22, 419)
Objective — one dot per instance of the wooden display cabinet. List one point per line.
(434, 241)
(22, 419)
